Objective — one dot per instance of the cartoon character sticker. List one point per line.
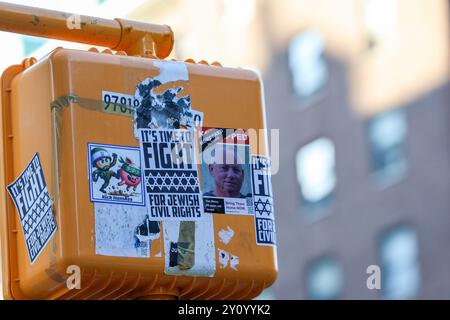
(129, 174)
(115, 174)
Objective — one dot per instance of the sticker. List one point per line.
(224, 258)
(189, 247)
(124, 231)
(234, 262)
(171, 180)
(163, 100)
(225, 171)
(263, 201)
(119, 103)
(32, 200)
(115, 174)
(197, 118)
(172, 188)
(228, 260)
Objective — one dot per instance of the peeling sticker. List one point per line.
(163, 123)
(226, 259)
(172, 190)
(147, 230)
(225, 235)
(160, 110)
(119, 103)
(197, 119)
(32, 200)
(171, 71)
(163, 100)
(124, 231)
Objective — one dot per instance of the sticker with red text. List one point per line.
(225, 169)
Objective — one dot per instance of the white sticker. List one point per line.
(172, 190)
(115, 174)
(163, 101)
(189, 247)
(32, 200)
(124, 231)
(197, 118)
(119, 103)
(228, 260)
(170, 175)
(168, 108)
(171, 71)
(234, 262)
(263, 201)
(225, 235)
(225, 169)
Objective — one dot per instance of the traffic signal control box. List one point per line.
(129, 177)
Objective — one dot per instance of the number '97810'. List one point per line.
(119, 103)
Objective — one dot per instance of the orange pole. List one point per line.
(133, 37)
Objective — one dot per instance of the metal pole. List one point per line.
(133, 37)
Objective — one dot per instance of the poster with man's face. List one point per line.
(225, 171)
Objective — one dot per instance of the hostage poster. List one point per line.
(225, 170)
(170, 175)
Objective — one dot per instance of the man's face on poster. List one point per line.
(228, 174)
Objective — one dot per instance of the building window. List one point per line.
(316, 175)
(324, 280)
(400, 275)
(387, 140)
(307, 64)
(380, 19)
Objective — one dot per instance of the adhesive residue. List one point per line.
(234, 262)
(224, 258)
(227, 259)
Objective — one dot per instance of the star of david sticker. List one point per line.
(173, 181)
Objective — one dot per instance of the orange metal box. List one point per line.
(72, 107)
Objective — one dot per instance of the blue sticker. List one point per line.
(263, 201)
(172, 186)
